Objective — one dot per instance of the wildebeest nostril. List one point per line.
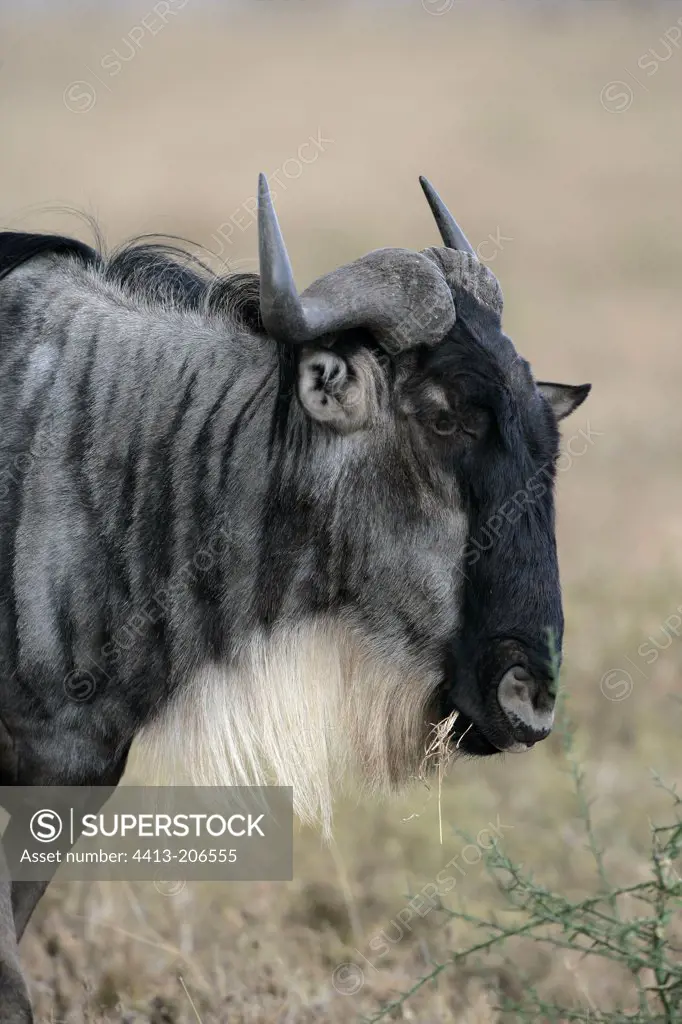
(520, 683)
(521, 674)
(524, 702)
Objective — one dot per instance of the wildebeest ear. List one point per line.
(564, 398)
(332, 392)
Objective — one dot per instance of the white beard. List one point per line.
(311, 707)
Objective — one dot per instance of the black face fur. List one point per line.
(497, 435)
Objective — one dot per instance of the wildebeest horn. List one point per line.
(402, 297)
(450, 231)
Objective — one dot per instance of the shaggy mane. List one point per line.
(155, 272)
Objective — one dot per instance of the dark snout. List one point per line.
(506, 698)
(507, 650)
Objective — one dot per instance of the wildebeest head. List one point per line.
(428, 481)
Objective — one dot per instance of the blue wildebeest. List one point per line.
(249, 524)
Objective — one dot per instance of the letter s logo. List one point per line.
(46, 826)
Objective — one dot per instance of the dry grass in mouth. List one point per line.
(438, 756)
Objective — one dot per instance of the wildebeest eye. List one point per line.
(444, 423)
(471, 422)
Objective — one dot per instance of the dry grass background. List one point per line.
(501, 107)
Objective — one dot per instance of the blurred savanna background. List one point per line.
(553, 132)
